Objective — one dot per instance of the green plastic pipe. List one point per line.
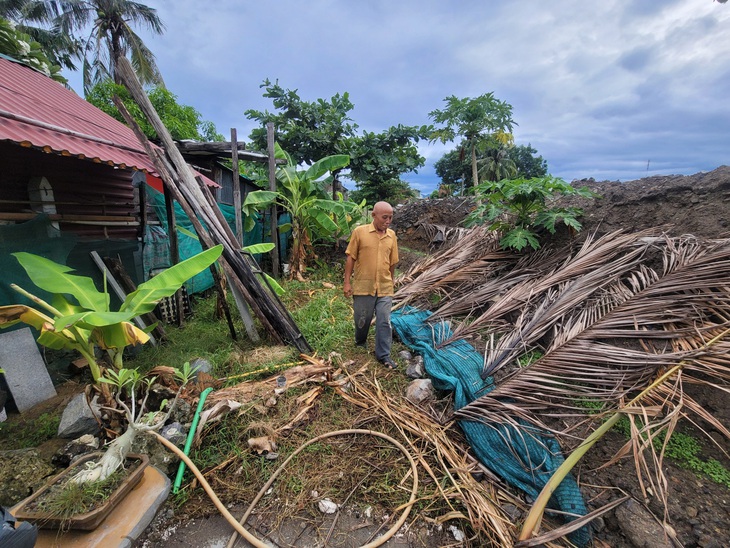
(189, 441)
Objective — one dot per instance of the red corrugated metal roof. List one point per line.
(39, 112)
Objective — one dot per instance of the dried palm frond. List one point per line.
(453, 480)
(642, 322)
(617, 251)
(477, 253)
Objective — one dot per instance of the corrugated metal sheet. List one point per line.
(37, 111)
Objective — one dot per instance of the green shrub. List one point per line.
(520, 208)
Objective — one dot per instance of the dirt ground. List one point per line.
(697, 508)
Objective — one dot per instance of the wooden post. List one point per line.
(236, 186)
(174, 249)
(275, 253)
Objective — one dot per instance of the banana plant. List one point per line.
(313, 212)
(79, 317)
(251, 250)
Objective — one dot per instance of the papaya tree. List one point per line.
(314, 214)
(522, 208)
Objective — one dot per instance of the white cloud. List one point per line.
(598, 88)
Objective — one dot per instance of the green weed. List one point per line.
(21, 435)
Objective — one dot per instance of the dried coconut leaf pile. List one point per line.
(319, 397)
(567, 330)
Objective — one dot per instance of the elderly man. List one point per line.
(372, 255)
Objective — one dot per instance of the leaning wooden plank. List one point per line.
(119, 291)
(273, 312)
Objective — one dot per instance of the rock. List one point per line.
(458, 533)
(164, 459)
(78, 418)
(419, 391)
(203, 365)
(22, 472)
(75, 449)
(707, 541)
(598, 524)
(415, 369)
(405, 355)
(174, 433)
(326, 506)
(640, 527)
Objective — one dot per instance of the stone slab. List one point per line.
(25, 371)
(126, 522)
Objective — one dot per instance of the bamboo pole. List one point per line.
(266, 304)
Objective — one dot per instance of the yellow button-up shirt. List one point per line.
(373, 255)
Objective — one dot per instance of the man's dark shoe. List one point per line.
(390, 364)
(362, 344)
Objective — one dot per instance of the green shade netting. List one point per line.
(524, 460)
(157, 253)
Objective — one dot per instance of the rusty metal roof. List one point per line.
(36, 111)
(40, 112)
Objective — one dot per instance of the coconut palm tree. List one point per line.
(112, 36)
(496, 165)
(35, 18)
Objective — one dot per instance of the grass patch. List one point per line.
(73, 498)
(29, 433)
(686, 452)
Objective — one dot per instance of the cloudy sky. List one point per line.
(614, 90)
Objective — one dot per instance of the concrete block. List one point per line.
(25, 371)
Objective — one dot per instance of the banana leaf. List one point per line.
(55, 278)
(145, 298)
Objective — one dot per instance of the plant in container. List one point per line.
(81, 496)
(78, 318)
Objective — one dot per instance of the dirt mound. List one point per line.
(684, 204)
(679, 204)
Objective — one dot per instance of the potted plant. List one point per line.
(82, 496)
(79, 318)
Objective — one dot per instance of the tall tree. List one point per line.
(379, 159)
(310, 130)
(307, 130)
(182, 121)
(474, 119)
(528, 164)
(112, 36)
